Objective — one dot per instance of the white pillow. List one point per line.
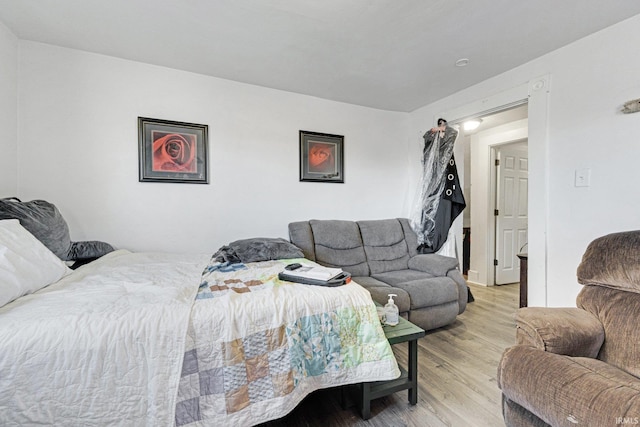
(26, 265)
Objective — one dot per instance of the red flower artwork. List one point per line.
(174, 152)
(322, 157)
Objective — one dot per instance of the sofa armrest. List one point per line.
(568, 331)
(463, 289)
(434, 264)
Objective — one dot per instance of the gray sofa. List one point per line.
(381, 256)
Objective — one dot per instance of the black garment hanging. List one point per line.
(440, 199)
(451, 205)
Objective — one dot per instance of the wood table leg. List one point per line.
(412, 369)
(366, 401)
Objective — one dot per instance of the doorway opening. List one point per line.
(496, 191)
(535, 93)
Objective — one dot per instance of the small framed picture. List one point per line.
(172, 151)
(321, 157)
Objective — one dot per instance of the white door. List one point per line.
(511, 212)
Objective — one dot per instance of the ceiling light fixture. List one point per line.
(462, 62)
(472, 124)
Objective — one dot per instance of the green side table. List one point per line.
(404, 331)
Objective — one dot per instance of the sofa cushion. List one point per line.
(338, 244)
(434, 316)
(430, 291)
(301, 235)
(384, 245)
(401, 276)
(436, 265)
(424, 290)
(380, 292)
(577, 390)
(464, 293)
(410, 236)
(368, 282)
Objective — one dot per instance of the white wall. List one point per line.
(79, 148)
(590, 80)
(8, 113)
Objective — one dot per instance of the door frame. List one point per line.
(536, 92)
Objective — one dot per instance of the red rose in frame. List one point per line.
(322, 157)
(174, 152)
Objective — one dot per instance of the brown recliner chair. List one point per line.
(581, 366)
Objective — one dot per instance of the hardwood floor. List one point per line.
(457, 374)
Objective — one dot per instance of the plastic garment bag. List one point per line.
(439, 200)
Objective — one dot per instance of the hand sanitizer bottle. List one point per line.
(391, 311)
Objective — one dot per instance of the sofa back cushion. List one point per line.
(338, 243)
(301, 235)
(384, 245)
(410, 236)
(619, 313)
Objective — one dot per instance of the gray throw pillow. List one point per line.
(45, 222)
(258, 249)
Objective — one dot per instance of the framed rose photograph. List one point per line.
(172, 151)
(321, 157)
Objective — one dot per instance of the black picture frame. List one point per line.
(171, 151)
(321, 157)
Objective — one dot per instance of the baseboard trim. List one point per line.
(477, 283)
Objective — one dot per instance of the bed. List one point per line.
(159, 340)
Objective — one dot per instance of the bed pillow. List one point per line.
(26, 265)
(45, 222)
(42, 219)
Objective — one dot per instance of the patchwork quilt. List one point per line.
(256, 345)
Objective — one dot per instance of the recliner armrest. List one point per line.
(437, 265)
(568, 331)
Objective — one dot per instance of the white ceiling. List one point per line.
(389, 54)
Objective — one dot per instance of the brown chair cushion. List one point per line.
(564, 391)
(613, 261)
(567, 331)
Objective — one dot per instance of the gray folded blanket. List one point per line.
(257, 249)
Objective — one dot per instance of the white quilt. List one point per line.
(104, 346)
